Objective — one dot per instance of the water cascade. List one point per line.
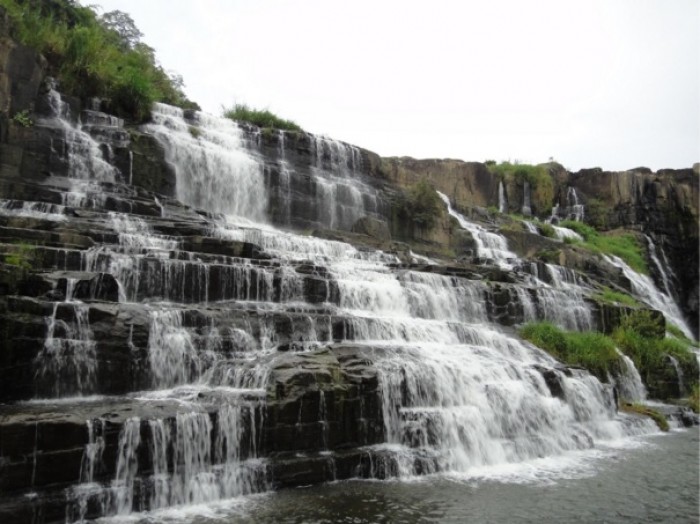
(502, 202)
(218, 356)
(526, 210)
(575, 209)
(644, 288)
(489, 245)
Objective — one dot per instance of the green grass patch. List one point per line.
(547, 230)
(591, 350)
(259, 117)
(96, 56)
(641, 409)
(616, 297)
(623, 245)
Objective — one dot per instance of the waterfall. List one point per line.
(644, 288)
(629, 382)
(489, 245)
(659, 267)
(576, 210)
(213, 301)
(679, 373)
(562, 233)
(214, 169)
(526, 209)
(502, 202)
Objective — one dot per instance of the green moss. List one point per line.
(259, 117)
(623, 245)
(21, 256)
(641, 409)
(615, 297)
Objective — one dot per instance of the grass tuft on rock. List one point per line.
(641, 409)
(616, 297)
(259, 117)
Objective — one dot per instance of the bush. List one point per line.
(420, 205)
(547, 230)
(259, 117)
(645, 322)
(95, 56)
(623, 245)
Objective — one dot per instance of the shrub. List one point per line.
(694, 399)
(420, 205)
(23, 119)
(259, 117)
(95, 56)
(547, 230)
(645, 322)
(623, 245)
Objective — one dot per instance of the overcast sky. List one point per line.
(609, 83)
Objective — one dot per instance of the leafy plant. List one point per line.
(547, 230)
(23, 119)
(420, 205)
(259, 117)
(21, 256)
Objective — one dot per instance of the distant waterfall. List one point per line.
(502, 202)
(527, 208)
(575, 209)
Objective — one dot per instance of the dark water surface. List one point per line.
(654, 480)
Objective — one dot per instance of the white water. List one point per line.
(526, 209)
(646, 291)
(576, 209)
(629, 382)
(489, 245)
(502, 202)
(456, 392)
(659, 266)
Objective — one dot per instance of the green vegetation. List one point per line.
(547, 230)
(420, 205)
(21, 256)
(23, 119)
(591, 350)
(694, 399)
(623, 245)
(641, 409)
(615, 297)
(96, 56)
(259, 117)
(637, 337)
(541, 183)
(676, 332)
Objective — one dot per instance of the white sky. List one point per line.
(608, 83)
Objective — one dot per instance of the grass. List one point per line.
(259, 117)
(641, 409)
(591, 350)
(547, 230)
(615, 297)
(92, 59)
(623, 245)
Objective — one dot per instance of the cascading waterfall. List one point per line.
(489, 245)
(455, 391)
(659, 267)
(502, 202)
(527, 206)
(576, 210)
(644, 288)
(629, 382)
